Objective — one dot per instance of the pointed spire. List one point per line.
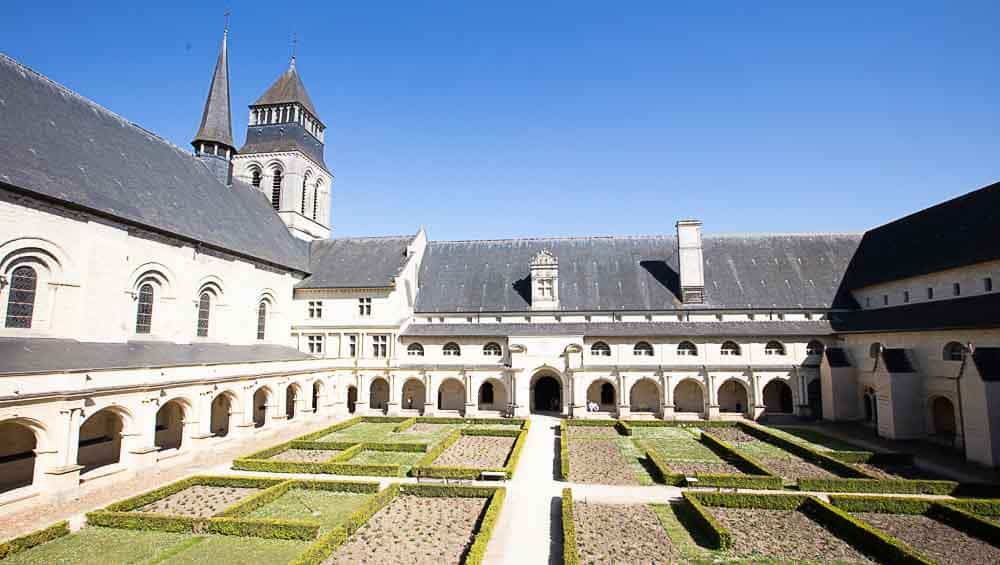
(216, 120)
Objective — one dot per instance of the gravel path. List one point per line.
(621, 534)
(934, 539)
(598, 461)
(199, 501)
(415, 530)
(476, 451)
(306, 455)
(788, 535)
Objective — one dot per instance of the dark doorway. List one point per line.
(815, 399)
(607, 394)
(547, 395)
(352, 398)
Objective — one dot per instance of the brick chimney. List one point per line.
(690, 261)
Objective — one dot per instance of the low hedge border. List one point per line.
(313, 444)
(515, 453)
(809, 454)
(149, 497)
(28, 541)
(484, 530)
(353, 469)
(778, 501)
(330, 429)
(405, 425)
(623, 428)
(718, 537)
(251, 503)
(347, 454)
(665, 474)
(438, 449)
(945, 511)
(862, 535)
(717, 445)
(146, 521)
(966, 521)
(713, 480)
(879, 486)
(564, 451)
(473, 421)
(983, 507)
(385, 419)
(473, 473)
(577, 423)
(263, 528)
(571, 554)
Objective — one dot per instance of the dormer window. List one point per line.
(544, 269)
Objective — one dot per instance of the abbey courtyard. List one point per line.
(193, 370)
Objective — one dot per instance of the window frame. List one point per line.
(28, 298)
(204, 314)
(730, 348)
(775, 348)
(380, 346)
(643, 349)
(365, 307)
(451, 349)
(316, 344)
(262, 314)
(145, 327)
(687, 349)
(314, 309)
(600, 349)
(492, 349)
(414, 350)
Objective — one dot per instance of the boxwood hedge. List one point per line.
(25, 542)
(571, 554)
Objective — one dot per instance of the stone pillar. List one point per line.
(758, 396)
(337, 394)
(712, 412)
(139, 443)
(276, 405)
(364, 394)
(471, 396)
(430, 395)
(622, 394)
(395, 392)
(667, 409)
(62, 475)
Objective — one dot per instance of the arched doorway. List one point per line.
(943, 418)
(379, 395)
(778, 397)
(644, 397)
(222, 408)
(546, 394)
(169, 426)
(352, 398)
(602, 393)
(414, 395)
(316, 396)
(17, 455)
(815, 391)
(870, 405)
(451, 395)
(492, 395)
(291, 401)
(101, 439)
(733, 397)
(261, 399)
(688, 397)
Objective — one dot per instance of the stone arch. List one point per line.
(317, 395)
(100, 441)
(20, 438)
(352, 398)
(778, 397)
(293, 393)
(222, 413)
(378, 394)
(170, 424)
(496, 397)
(451, 395)
(644, 397)
(604, 393)
(48, 264)
(689, 396)
(733, 396)
(414, 394)
(943, 418)
(261, 403)
(547, 391)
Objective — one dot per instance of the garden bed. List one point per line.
(627, 533)
(476, 451)
(305, 455)
(328, 508)
(934, 538)
(598, 461)
(776, 459)
(198, 501)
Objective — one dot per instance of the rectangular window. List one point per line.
(380, 346)
(988, 284)
(906, 296)
(956, 289)
(315, 308)
(352, 346)
(885, 299)
(930, 293)
(545, 288)
(315, 343)
(365, 306)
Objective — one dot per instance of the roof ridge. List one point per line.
(363, 237)
(556, 238)
(723, 235)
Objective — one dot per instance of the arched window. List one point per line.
(600, 349)
(451, 349)
(643, 349)
(687, 349)
(276, 189)
(953, 351)
(255, 178)
(316, 199)
(486, 393)
(261, 319)
(144, 311)
(874, 350)
(21, 301)
(415, 350)
(305, 194)
(492, 349)
(204, 313)
(730, 348)
(774, 348)
(814, 348)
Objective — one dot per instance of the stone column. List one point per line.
(139, 443)
(364, 394)
(395, 392)
(758, 396)
(63, 477)
(430, 395)
(279, 400)
(471, 396)
(666, 385)
(621, 385)
(712, 413)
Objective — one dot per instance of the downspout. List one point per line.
(968, 350)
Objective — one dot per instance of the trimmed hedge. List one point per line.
(313, 444)
(28, 541)
(330, 429)
(515, 453)
(664, 473)
(446, 420)
(492, 433)
(881, 486)
(983, 507)
(967, 522)
(443, 491)
(263, 528)
(405, 425)
(860, 534)
(571, 555)
(347, 454)
(717, 536)
(882, 504)
(268, 466)
(851, 456)
(623, 428)
(813, 456)
(438, 449)
(472, 473)
(762, 482)
(385, 419)
(484, 530)
(356, 487)
(749, 500)
(716, 444)
(149, 497)
(251, 503)
(146, 521)
(945, 511)
(564, 451)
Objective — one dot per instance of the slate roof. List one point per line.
(987, 360)
(636, 273)
(277, 138)
(896, 361)
(288, 88)
(962, 231)
(34, 355)
(356, 262)
(623, 329)
(58, 145)
(216, 119)
(837, 357)
(969, 312)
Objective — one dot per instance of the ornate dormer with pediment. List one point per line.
(544, 281)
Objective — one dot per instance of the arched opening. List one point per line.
(870, 402)
(261, 399)
(778, 397)
(17, 456)
(291, 401)
(222, 412)
(414, 395)
(169, 426)
(733, 397)
(492, 395)
(602, 394)
(644, 397)
(352, 399)
(101, 440)
(262, 319)
(943, 418)
(317, 393)
(688, 397)
(451, 395)
(815, 391)
(378, 396)
(21, 299)
(953, 351)
(546, 394)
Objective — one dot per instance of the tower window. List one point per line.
(885, 299)
(276, 190)
(261, 319)
(545, 288)
(144, 311)
(316, 200)
(204, 312)
(305, 195)
(21, 301)
(930, 293)
(255, 178)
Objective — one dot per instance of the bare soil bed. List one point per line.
(897, 471)
(621, 533)
(598, 461)
(788, 536)
(934, 539)
(795, 468)
(690, 468)
(199, 501)
(413, 529)
(604, 432)
(424, 428)
(476, 451)
(305, 455)
(731, 434)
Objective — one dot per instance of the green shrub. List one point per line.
(564, 455)
(145, 521)
(883, 504)
(729, 452)
(271, 451)
(347, 453)
(576, 423)
(393, 446)
(571, 554)
(317, 445)
(664, 473)
(263, 528)
(491, 433)
(983, 507)
(897, 486)
(515, 453)
(749, 500)
(762, 482)
(484, 531)
(447, 420)
(851, 456)
(28, 541)
(357, 487)
(885, 548)
(456, 491)
(405, 425)
(717, 536)
(430, 471)
(623, 428)
(385, 419)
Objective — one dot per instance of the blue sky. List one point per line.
(481, 119)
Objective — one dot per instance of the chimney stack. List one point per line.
(691, 262)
